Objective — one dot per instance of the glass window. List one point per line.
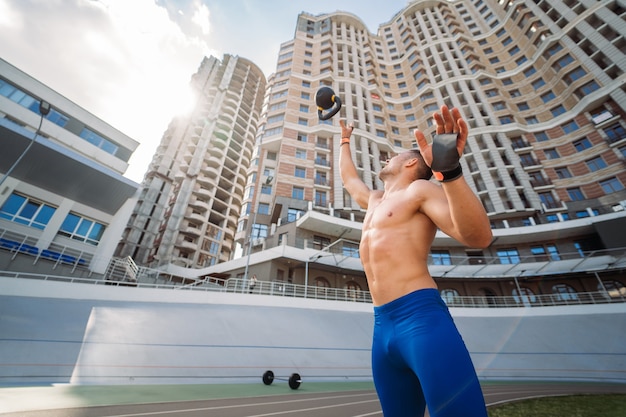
(440, 257)
(508, 256)
(596, 164)
(551, 153)
(575, 194)
(300, 172)
(297, 193)
(449, 295)
(564, 292)
(582, 144)
(611, 185)
(82, 229)
(264, 208)
(524, 296)
(293, 214)
(23, 210)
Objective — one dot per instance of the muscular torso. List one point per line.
(394, 246)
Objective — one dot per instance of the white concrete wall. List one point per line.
(93, 334)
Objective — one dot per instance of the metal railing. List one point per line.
(285, 289)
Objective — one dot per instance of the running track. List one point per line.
(359, 403)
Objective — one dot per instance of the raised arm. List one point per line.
(349, 175)
(460, 214)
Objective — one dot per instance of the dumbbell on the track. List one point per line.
(294, 380)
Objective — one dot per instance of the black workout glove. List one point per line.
(445, 165)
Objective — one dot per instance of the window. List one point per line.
(350, 249)
(304, 108)
(563, 172)
(575, 74)
(563, 62)
(297, 193)
(300, 172)
(440, 257)
(82, 229)
(264, 208)
(293, 214)
(582, 144)
(570, 127)
(23, 210)
(524, 296)
(508, 256)
(259, 231)
(551, 153)
(549, 252)
(596, 164)
(560, 109)
(611, 185)
(575, 194)
(320, 198)
(449, 295)
(266, 189)
(548, 96)
(564, 292)
(301, 153)
(538, 83)
(615, 132)
(548, 200)
(541, 136)
(97, 140)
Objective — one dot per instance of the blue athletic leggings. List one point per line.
(419, 359)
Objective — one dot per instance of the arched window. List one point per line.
(322, 282)
(564, 292)
(353, 290)
(614, 289)
(449, 295)
(488, 296)
(525, 296)
(321, 285)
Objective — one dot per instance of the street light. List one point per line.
(44, 109)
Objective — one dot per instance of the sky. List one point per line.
(129, 62)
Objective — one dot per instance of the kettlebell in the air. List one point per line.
(327, 100)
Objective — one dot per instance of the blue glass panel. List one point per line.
(70, 223)
(13, 204)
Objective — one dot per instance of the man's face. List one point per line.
(392, 166)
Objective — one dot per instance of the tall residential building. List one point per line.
(64, 201)
(541, 84)
(192, 193)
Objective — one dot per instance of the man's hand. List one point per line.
(443, 154)
(346, 130)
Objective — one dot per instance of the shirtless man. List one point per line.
(418, 357)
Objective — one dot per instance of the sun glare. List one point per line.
(182, 102)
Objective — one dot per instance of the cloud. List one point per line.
(201, 17)
(125, 61)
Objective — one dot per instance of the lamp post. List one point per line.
(44, 109)
(245, 273)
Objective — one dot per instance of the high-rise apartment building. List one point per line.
(192, 193)
(541, 84)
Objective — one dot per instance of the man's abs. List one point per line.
(395, 263)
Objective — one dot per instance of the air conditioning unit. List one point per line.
(258, 241)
